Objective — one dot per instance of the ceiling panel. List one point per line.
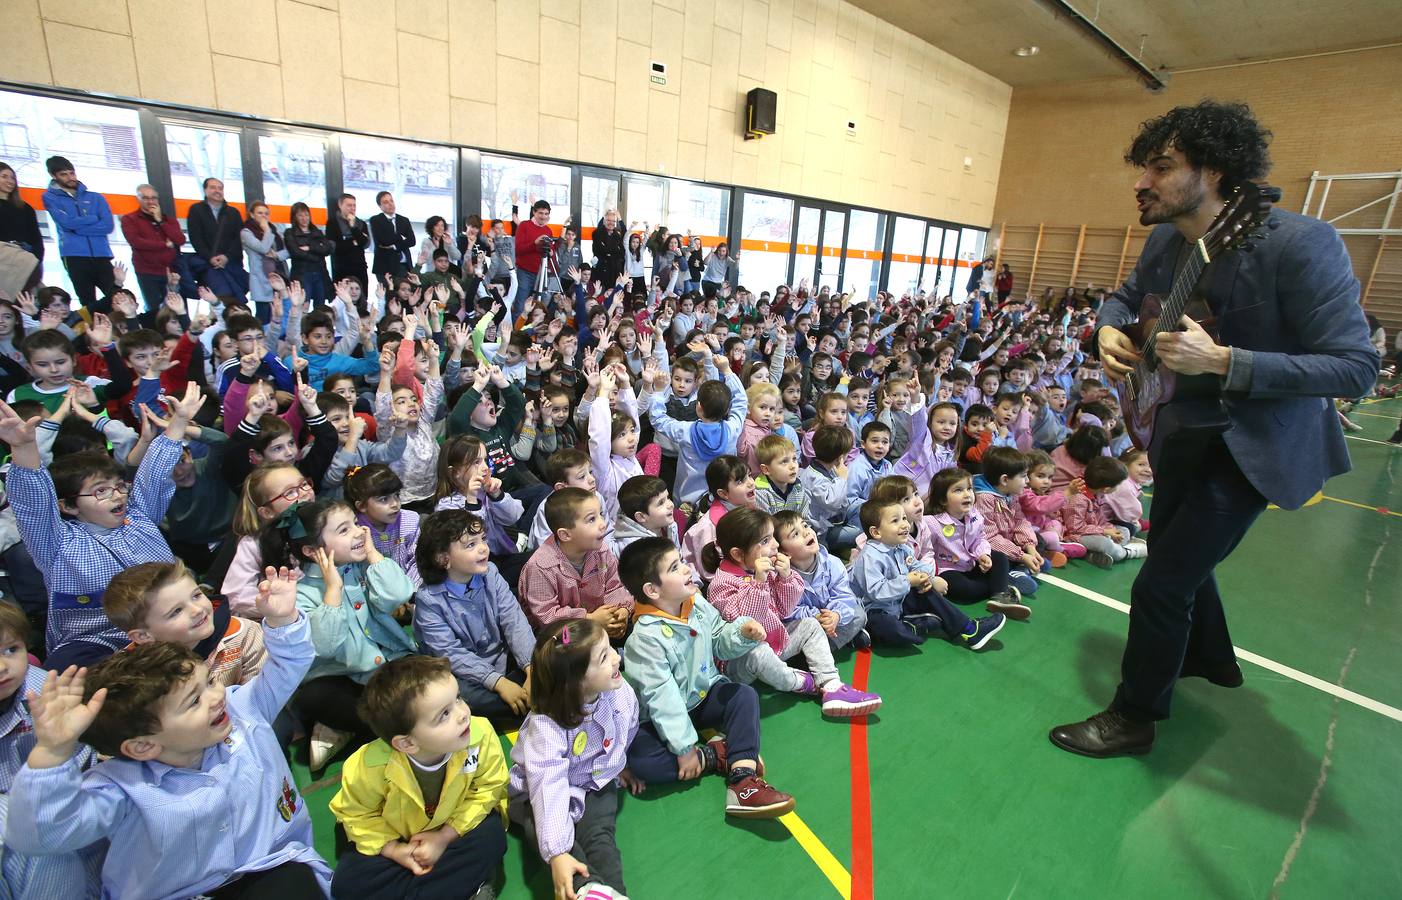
(1181, 34)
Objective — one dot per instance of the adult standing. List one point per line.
(1292, 336)
(19, 224)
(155, 240)
(437, 237)
(267, 255)
(83, 220)
(533, 238)
(608, 249)
(308, 249)
(502, 245)
(350, 237)
(214, 233)
(1004, 284)
(717, 269)
(394, 239)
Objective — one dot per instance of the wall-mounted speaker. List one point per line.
(761, 108)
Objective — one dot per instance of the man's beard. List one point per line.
(1160, 212)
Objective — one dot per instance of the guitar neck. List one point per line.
(1172, 310)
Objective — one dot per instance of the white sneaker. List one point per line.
(593, 890)
(326, 743)
(1136, 550)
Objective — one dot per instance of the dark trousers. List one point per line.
(289, 881)
(26, 581)
(153, 292)
(886, 629)
(330, 700)
(90, 274)
(468, 863)
(729, 707)
(974, 585)
(595, 843)
(1203, 506)
(485, 701)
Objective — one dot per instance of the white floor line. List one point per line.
(1353, 437)
(1304, 678)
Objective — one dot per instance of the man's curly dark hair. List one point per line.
(1221, 136)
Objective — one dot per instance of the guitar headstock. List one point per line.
(1239, 223)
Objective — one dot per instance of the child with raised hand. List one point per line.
(355, 449)
(189, 757)
(161, 602)
(996, 492)
(349, 592)
(1042, 504)
(825, 483)
(424, 804)
(570, 756)
(268, 490)
(670, 660)
(613, 436)
(903, 597)
(573, 575)
(466, 613)
(963, 556)
(827, 590)
(754, 579)
(71, 874)
(721, 408)
(1086, 517)
(976, 436)
(50, 359)
(893, 410)
(373, 491)
(730, 485)
(645, 509)
(399, 405)
(83, 523)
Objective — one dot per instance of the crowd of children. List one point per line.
(405, 522)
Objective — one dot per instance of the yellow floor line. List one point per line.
(1354, 412)
(811, 844)
(1377, 509)
(819, 853)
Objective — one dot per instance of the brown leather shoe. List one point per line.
(1105, 734)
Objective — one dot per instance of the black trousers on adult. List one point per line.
(595, 838)
(1203, 506)
(90, 274)
(468, 863)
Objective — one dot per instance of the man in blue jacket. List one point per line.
(83, 221)
(1292, 335)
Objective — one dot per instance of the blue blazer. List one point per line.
(1289, 310)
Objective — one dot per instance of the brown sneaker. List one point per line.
(720, 753)
(753, 798)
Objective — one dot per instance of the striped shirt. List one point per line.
(78, 559)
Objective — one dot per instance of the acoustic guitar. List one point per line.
(1154, 400)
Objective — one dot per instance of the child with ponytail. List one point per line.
(571, 755)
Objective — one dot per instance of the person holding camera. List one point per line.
(534, 240)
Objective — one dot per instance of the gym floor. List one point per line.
(1287, 786)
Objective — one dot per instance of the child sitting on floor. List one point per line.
(1086, 517)
(827, 590)
(963, 557)
(996, 493)
(645, 509)
(1042, 503)
(670, 660)
(571, 754)
(573, 574)
(424, 806)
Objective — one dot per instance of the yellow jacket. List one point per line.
(379, 800)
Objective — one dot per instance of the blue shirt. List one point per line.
(179, 832)
(473, 626)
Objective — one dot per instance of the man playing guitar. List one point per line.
(1291, 335)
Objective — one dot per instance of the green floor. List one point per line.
(1276, 789)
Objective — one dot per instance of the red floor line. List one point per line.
(862, 869)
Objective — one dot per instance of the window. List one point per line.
(830, 263)
(806, 244)
(765, 238)
(599, 195)
(907, 252)
(197, 153)
(646, 204)
(102, 142)
(863, 255)
(507, 182)
(421, 177)
(697, 209)
(971, 242)
(294, 171)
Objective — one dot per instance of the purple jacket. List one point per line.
(958, 542)
(553, 768)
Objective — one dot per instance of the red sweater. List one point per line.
(527, 253)
(147, 237)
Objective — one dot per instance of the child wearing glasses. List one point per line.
(83, 523)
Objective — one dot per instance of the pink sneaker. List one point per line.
(1073, 550)
(846, 702)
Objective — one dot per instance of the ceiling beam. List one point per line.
(1152, 79)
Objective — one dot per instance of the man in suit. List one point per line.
(214, 228)
(349, 237)
(1292, 336)
(394, 239)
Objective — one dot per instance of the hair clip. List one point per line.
(290, 522)
(350, 473)
(565, 635)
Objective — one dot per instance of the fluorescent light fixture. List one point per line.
(1030, 50)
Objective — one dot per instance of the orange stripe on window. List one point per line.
(122, 204)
